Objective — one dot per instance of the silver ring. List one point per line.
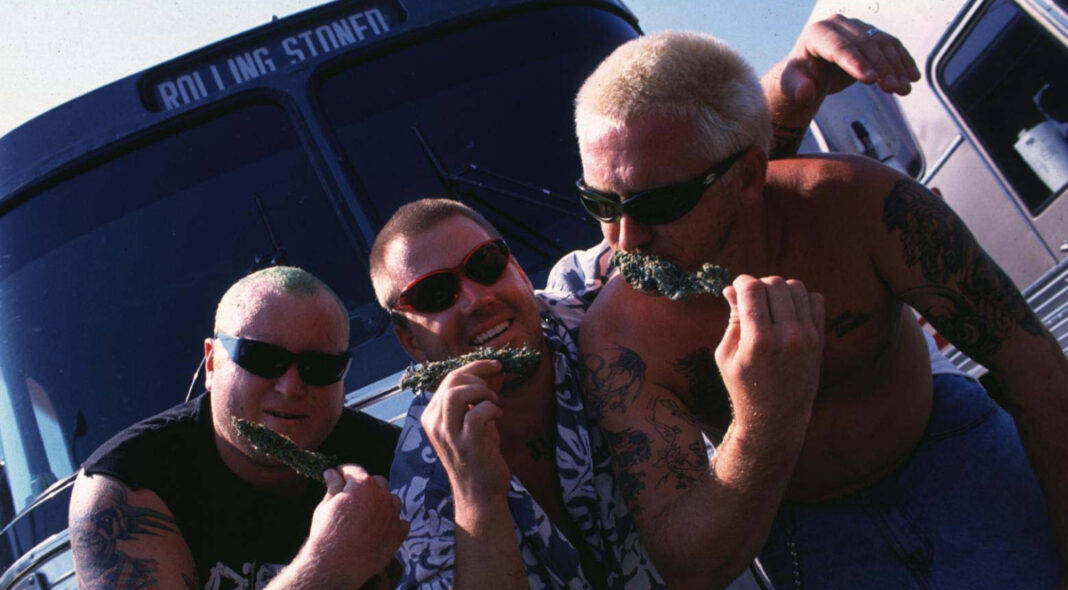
(871, 32)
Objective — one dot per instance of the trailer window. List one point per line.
(1007, 77)
(109, 278)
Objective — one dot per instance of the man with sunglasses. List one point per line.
(180, 500)
(492, 459)
(892, 478)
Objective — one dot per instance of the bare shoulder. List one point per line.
(623, 315)
(842, 191)
(122, 538)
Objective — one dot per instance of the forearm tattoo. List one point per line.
(967, 298)
(95, 538)
(785, 141)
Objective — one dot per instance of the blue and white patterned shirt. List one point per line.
(585, 472)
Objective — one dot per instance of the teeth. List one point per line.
(491, 333)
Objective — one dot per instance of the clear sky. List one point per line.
(54, 50)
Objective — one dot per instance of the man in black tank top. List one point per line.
(179, 500)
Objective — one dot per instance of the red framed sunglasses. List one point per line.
(438, 290)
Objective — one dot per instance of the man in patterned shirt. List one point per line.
(503, 481)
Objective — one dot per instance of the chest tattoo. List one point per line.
(844, 323)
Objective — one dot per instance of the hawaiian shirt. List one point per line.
(584, 469)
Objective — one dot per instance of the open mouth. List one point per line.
(493, 332)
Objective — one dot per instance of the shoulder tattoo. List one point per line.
(967, 297)
(95, 541)
(613, 380)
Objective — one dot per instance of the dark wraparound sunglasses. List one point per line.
(437, 291)
(657, 205)
(271, 361)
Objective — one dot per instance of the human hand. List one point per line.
(833, 53)
(355, 529)
(460, 422)
(770, 354)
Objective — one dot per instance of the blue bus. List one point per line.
(125, 213)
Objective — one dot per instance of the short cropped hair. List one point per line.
(693, 77)
(290, 280)
(413, 218)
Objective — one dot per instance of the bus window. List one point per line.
(1007, 78)
(497, 98)
(109, 277)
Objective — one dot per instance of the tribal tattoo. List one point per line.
(612, 384)
(95, 538)
(968, 298)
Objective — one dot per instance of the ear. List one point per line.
(209, 361)
(753, 170)
(408, 342)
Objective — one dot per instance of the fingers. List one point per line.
(354, 476)
(861, 51)
(780, 301)
(728, 345)
(382, 482)
(753, 313)
(802, 307)
(815, 302)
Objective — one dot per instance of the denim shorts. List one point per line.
(964, 512)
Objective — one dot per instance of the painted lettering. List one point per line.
(326, 38)
(377, 21)
(343, 33)
(218, 79)
(307, 36)
(289, 45)
(263, 60)
(187, 89)
(169, 94)
(200, 84)
(357, 28)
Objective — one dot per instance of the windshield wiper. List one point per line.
(278, 254)
(454, 183)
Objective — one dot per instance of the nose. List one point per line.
(290, 384)
(473, 296)
(630, 234)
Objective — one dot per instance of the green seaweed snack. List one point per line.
(279, 447)
(655, 275)
(427, 376)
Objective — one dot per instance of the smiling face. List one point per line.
(652, 152)
(307, 414)
(502, 314)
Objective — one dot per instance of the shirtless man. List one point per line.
(887, 489)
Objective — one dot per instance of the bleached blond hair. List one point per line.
(691, 77)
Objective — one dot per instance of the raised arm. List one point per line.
(460, 422)
(932, 262)
(703, 522)
(124, 539)
(829, 56)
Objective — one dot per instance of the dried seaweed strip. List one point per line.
(655, 275)
(428, 376)
(279, 447)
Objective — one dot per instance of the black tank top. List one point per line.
(239, 537)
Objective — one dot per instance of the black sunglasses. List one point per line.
(657, 205)
(271, 361)
(438, 290)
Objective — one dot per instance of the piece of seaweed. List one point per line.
(428, 376)
(655, 275)
(279, 447)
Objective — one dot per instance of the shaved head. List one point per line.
(245, 298)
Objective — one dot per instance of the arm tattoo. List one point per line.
(95, 537)
(785, 141)
(967, 298)
(613, 383)
(630, 448)
(683, 466)
(844, 323)
(707, 391)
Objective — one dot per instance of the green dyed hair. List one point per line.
(290, 280)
